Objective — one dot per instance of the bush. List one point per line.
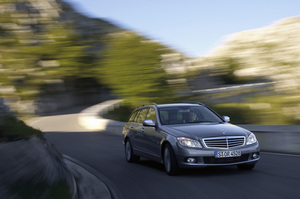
(238, 113)
(241, 113)
(121, 113)
(13, 129)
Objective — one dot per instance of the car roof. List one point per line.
(177, 105)
(170, 105)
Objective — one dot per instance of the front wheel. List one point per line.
(130, 157)
(170, 161)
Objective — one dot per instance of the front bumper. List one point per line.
(206, 157)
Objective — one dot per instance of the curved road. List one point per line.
(275, 176)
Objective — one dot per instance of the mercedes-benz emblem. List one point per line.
(224, 131)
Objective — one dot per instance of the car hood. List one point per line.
(199, 131)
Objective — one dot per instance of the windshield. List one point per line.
(187, 114)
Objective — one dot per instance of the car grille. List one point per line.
(212, 160)
(224, 142)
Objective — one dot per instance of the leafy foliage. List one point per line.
(13, 129)
(33, 55)
(132, 68)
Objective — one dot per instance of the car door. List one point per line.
(130, 128)
(152, 136)
(139, 138)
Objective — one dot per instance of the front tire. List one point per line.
(130, 157)
(170, 161)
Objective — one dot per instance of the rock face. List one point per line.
(90, 29)
(271, 52)
(33, 169)
(32, 15)
(36, 84)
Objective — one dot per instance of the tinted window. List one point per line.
(142, 115)
(187, 114)
(132, 117)
(151, 114)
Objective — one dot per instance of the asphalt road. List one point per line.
(275, 175)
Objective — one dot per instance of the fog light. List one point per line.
(255, 155)
(191, 160)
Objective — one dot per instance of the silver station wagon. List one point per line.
(187, 136)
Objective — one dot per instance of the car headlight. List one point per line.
(189, 142)
(251, 139)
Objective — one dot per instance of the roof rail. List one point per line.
(152, 103)
(192, 102)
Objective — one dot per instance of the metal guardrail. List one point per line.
(277, 138)
(230, 88)
(91, 119)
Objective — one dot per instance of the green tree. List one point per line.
(131, 67)
(229, 66)
(33, 53)
(62, 45)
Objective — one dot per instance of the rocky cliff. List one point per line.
(271, 53)
(47, 54)
(34, 169)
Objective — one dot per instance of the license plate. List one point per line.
(226, 154)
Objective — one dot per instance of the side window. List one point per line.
(151, 114)
(132, 117)
(142, 115)
(164, 116)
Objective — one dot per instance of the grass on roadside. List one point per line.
(14, 129)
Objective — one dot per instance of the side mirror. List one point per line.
(149, 122)
(226, 118)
